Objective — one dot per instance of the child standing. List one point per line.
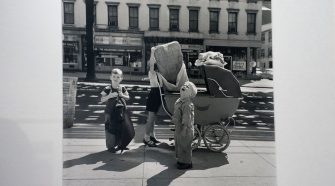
(114, 95)
(183, 118)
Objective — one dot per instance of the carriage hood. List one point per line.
(216, 76)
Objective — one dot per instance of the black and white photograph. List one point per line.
(168, 93)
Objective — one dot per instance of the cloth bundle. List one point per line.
(210, 58)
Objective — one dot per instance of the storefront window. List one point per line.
(71, 51)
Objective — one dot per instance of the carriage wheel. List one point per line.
(196, 139)
(216, 138)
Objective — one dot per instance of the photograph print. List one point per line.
(168, 92)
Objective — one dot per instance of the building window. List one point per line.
(270, 52)
(193, 20)
(251, 1)
(263, 37)
(154, 18)
(68, 13)
(262, 53)
(133, 17)
(270, 36)
(174, 19)
(214, 20)
(251, 21)
(112, 16)
(232, 22)
(232, 0)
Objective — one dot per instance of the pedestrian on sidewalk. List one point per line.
(115, 95)
(153, 103)
(183, 119)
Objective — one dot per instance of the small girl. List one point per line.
(183, 118)
(114, 95)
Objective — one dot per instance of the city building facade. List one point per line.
(125, 30)
(265, 57)
(265, 60)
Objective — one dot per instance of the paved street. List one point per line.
(249, 160)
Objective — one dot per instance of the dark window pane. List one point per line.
(154, 18)
(214, 21)
(112, 16)
(232, 22)
(174, 19)
(68, 13)
(251, 23)
(193, 20)
(133, 17)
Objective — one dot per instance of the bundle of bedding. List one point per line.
(210, 58)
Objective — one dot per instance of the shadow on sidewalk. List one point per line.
(111, 162)
(202, 159)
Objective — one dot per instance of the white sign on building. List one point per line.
(239, 65)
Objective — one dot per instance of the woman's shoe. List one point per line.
(119, 148)
(154, 139)
(111, 150)
(149, 143)
(182, 166)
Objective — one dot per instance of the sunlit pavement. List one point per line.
(249, 159)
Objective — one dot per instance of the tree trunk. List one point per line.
(90, 75)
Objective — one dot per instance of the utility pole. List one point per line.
(90, 75)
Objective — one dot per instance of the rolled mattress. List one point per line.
(169, 59)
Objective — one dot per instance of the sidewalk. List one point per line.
(86, 162)
(104, 77)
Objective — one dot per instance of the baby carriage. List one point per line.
(213, 107)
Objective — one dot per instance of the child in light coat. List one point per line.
(183, 118)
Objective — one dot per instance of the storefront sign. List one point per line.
(192, 47)
(70, 38)
(112, 40)
(101, 40)
(239, 65)
(118, 62)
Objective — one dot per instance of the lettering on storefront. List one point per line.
(192, 47)
(239, 65)
(70, 38)
(111, 40)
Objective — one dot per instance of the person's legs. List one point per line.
(110, 138)
(110, 141)
(149, 128)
